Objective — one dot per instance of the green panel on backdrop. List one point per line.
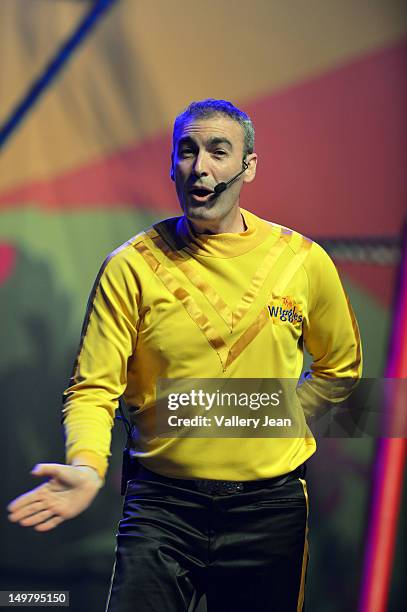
(374, 323)
(73, 244)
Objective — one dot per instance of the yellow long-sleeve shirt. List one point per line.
(172, 304)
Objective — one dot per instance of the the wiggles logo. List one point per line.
(288, 310)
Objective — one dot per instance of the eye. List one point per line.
(186, 152)
(219, 152)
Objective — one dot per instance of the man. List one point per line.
(217, 294)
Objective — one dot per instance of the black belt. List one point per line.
(218, 487)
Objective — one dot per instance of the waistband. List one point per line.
(218, 487)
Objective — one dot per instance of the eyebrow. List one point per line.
(215, 140)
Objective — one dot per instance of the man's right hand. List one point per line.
(69, 490)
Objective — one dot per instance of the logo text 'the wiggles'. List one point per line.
(289, 311)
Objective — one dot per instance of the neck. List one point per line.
(234, 225)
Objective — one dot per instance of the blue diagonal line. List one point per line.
(40, 85)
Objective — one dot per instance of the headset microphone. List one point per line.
(220, 187)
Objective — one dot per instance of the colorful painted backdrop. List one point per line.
(86, 165)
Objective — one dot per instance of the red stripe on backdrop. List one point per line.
(8, 258)
(137, 176)
(336, 150)
(389, 467)
(332, 157)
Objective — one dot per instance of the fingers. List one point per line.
(22, 501)
(41, 469)
(36, 515)
(23, 512)
(69, 491)
(42, 521)
(59, 482)
(35, 519)
(50, 524)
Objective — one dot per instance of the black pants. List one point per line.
(246, 551)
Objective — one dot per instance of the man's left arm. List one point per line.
(331, 336)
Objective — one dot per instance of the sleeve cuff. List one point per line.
(92, 460)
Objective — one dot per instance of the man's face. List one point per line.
(207, 152)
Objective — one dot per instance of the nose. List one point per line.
(200, 165)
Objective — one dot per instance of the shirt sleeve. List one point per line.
(99, 375)
(331, 336)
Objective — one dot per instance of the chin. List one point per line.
(202, 211)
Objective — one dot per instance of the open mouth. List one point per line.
(201, 194)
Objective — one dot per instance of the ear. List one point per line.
(250, 173)
(172, 175)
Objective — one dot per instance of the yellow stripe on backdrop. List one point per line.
(147, 58)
